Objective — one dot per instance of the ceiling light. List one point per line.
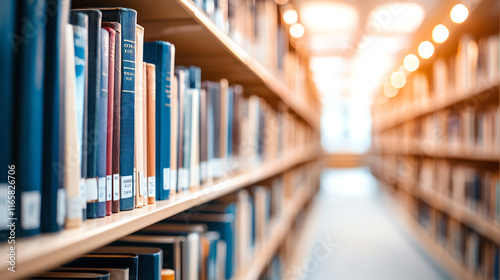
(395, 19)
(398, 79)
(290, 16)
(297, 30)
(321, 17)
(440, 33)
(411, 62)
(459, 13)
(425, 49)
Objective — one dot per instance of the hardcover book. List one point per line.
(130, 261)
(151, 131)
(138, 133)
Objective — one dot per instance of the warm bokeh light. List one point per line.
(425, 49)
(395, 18)
(297, 30)
(459, 13)
(290, 16)
(327, 17)
(389, 90)
(440, 33)
(411, 62)
(398, 79)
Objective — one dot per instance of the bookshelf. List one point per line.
(436, 146)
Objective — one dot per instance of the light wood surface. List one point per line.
(45, 251)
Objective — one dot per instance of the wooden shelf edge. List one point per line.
(42, 252)
(432, 247)
(442, 153)
(482, 89)
(278, 232)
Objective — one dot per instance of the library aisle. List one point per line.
(354, 235)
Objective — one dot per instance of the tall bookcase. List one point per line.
(199, 41)
(436, 147)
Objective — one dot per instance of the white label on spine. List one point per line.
(142, 184)
(116, 187)
(83, 193)
(30, 209)
(109, 188)
(92, 189)
(74, 210)
(173, 179)
(203, 170)
(61, 206)
(126, 186)
(102, 189)
(4, 213)
(183, 178)
(152, 186)
(166, 178)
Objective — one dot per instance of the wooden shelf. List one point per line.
(200, 42)
(436, 250)
(265, 253)
(42, 252)
(485, 92)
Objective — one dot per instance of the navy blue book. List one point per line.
(93, 93)
(128, 20)
(28, 115)
(162, 55)
(103, 124)
(131, 261)
(80, 29)
(7, 26)
(150, 259)
(53, 192)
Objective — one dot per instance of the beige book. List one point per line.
(72, 171)
(138, 115)
(144, 177)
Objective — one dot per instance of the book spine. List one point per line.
(53, 192)
(180, 129)
(28, 114)
(144, 182)
(174, 135)
(203, 136)
(72, 155)
(151, 127)
(109, 131)
(103, 124)
(138, 146)
(116, 122)
(7, 26)
(80, 29)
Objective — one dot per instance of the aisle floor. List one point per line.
(354, 236)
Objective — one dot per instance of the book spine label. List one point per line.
(116, 187)
(31, 203)
(152, 186)
(173, 178)
(74, 208)
(166, 178)
(109, 187)
(102, 189)
(203, 171)
(127, 186)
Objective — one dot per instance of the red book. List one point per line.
(109, 142)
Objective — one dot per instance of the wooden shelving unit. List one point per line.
(49, 250)
(200, 42)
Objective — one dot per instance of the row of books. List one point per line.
(466, 130)
(103, 122)
(210, 241)
(479, 255)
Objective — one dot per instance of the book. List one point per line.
(182, 179)
(128, 20)
(53, 192)
(162, 55)
(114, 273)
(72, 155)
(151, 131)
(80, 30)
(130, 261)
(103, 125)
(174, 136)
(7, 26)
(98, 275)
(144, 177)
(203, 135)
(28, 113)
(115, 205)
(110, 117)
(171, 246)
(93, 93)
(150, 259)
(194, 88)
(138, 132)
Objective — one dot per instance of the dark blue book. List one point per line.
(150, 259)
(103, 124)
(28, 115)
(162, 55)
(93, 93)
(131, 261)
(80, 29)
(53, 192)
(128, 20)
(7, 26)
